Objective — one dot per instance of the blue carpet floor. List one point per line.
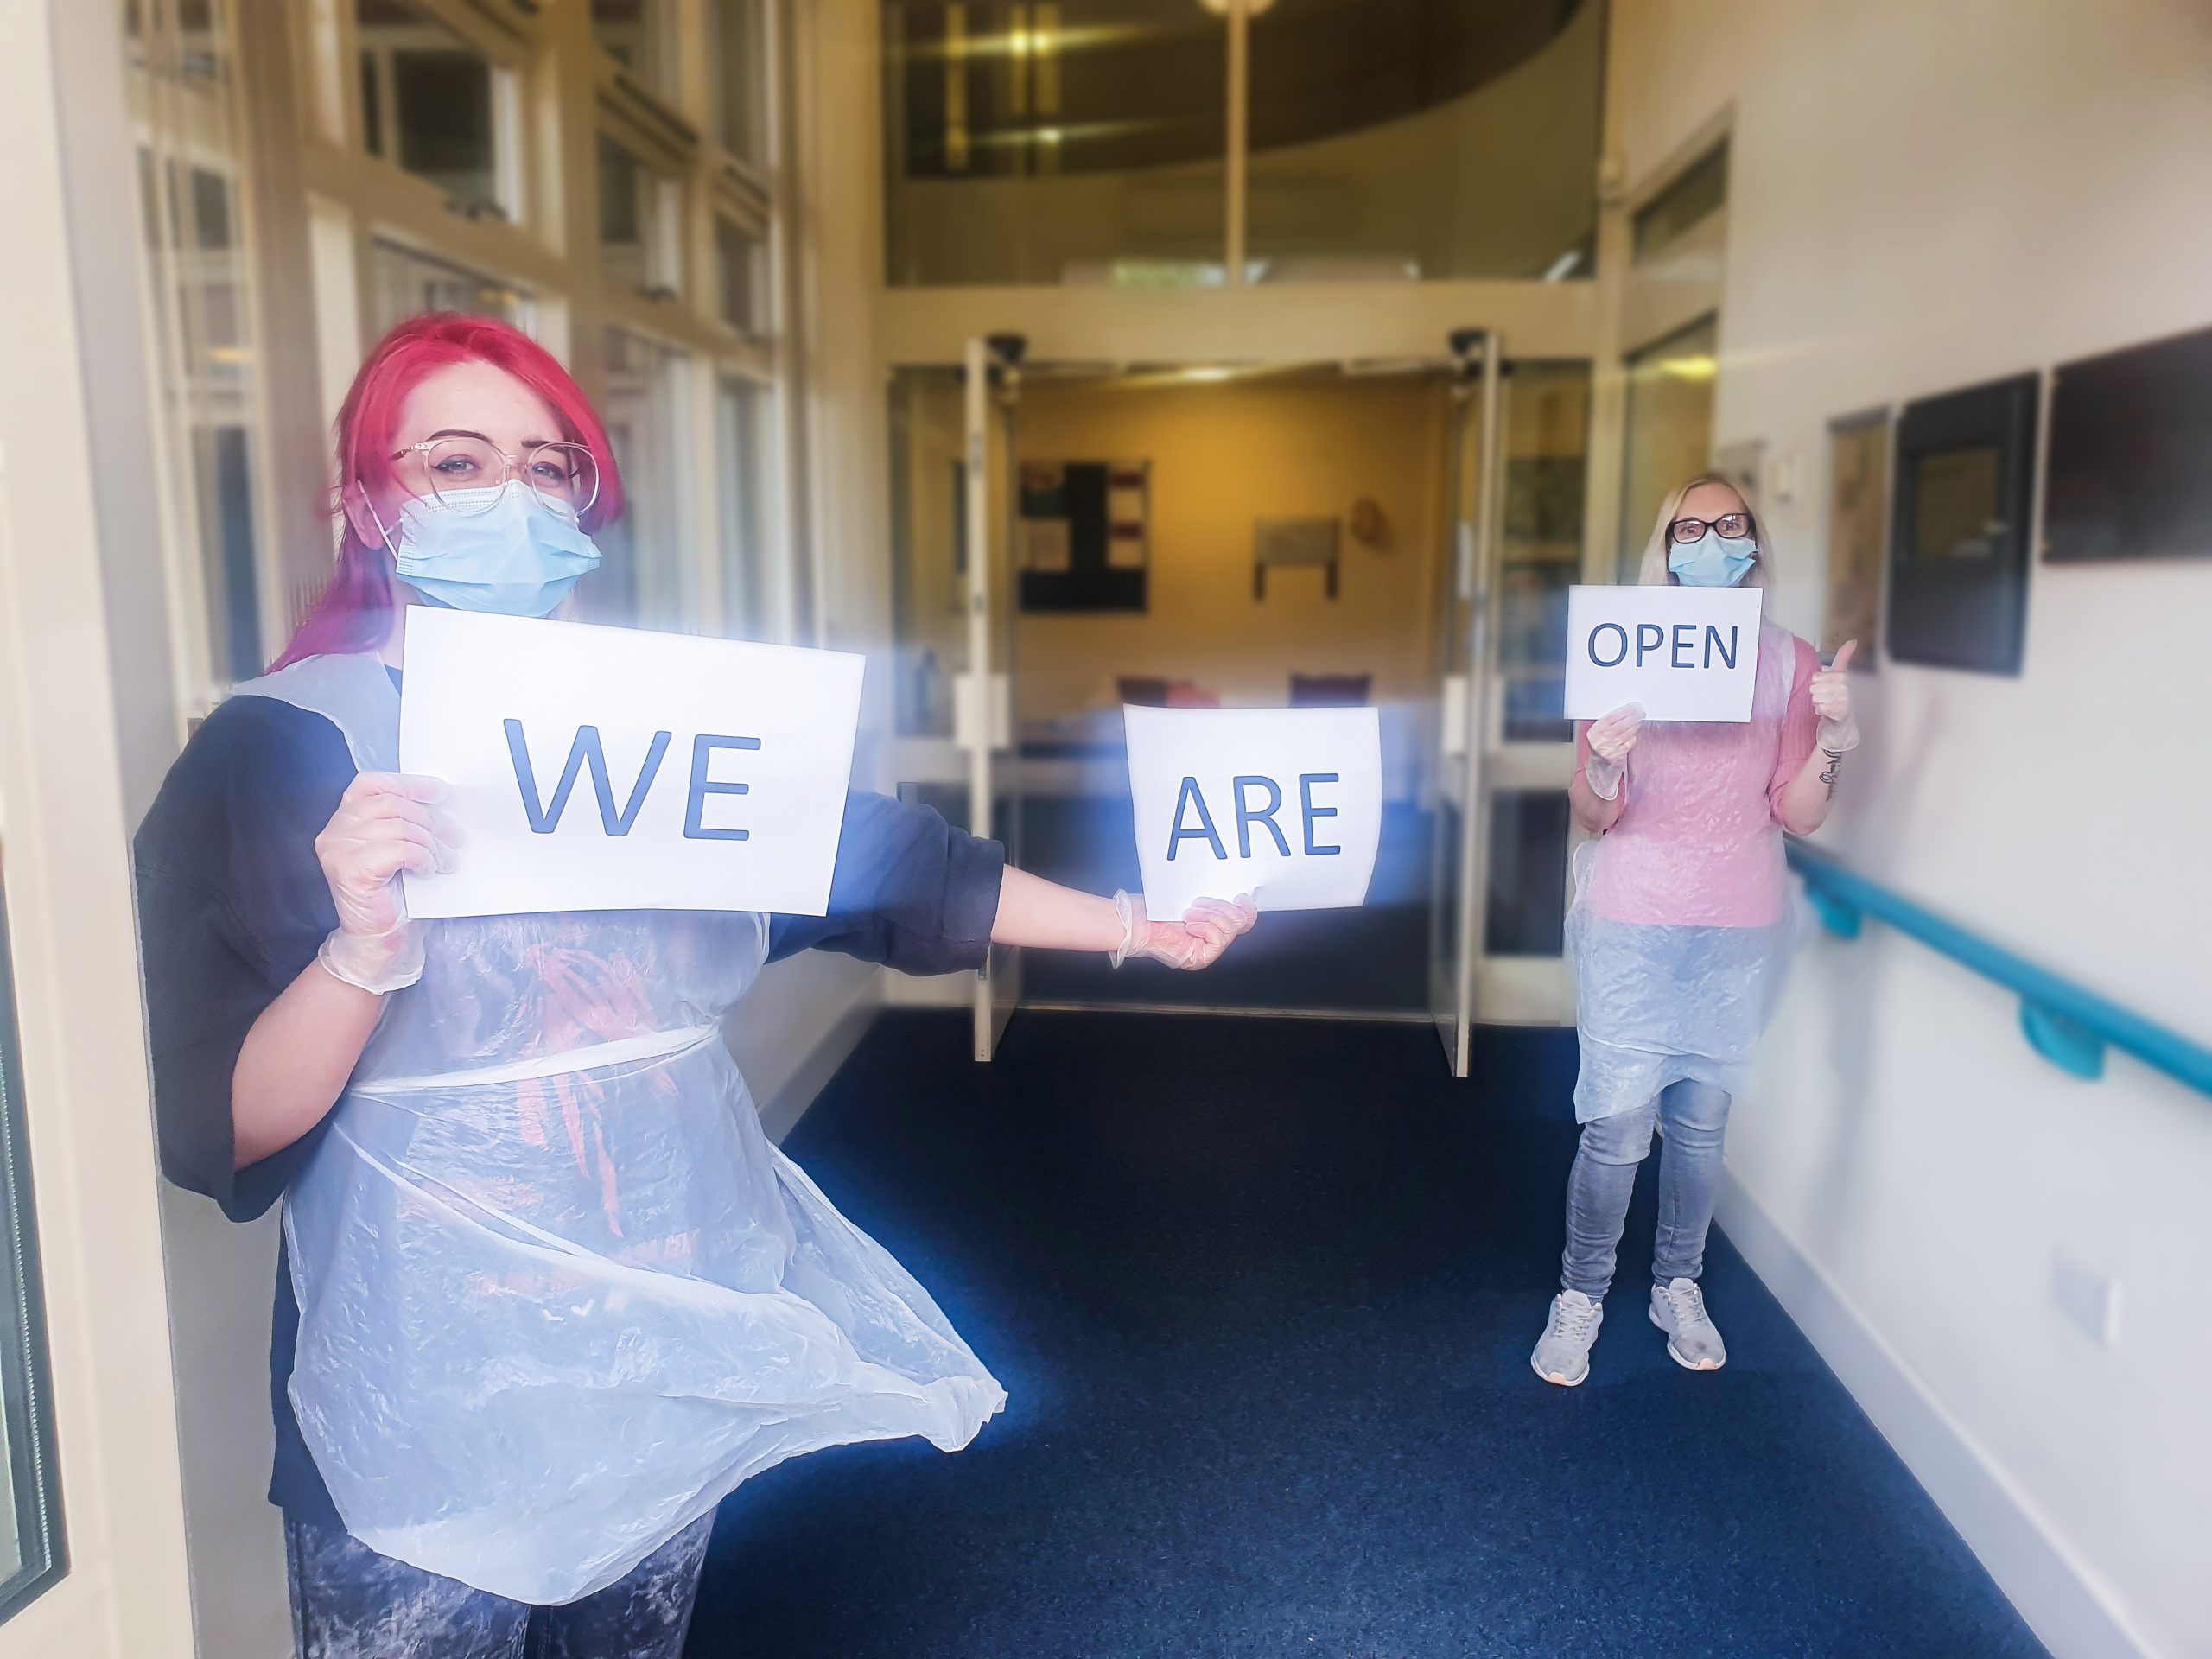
(1262, 1294)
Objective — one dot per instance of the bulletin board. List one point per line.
(1962, 495)
(1084, 535)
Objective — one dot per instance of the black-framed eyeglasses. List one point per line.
(1732, 526)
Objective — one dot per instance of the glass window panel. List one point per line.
(407, 284)
(641, 581)
(1526, 912)
(739, 84)
(1701, 191)
(1055, 141)
(1669, 429)
(929, 573)
(638, 229)
(738, 270)
(199, 286)
(1402, 140)
(32, 1555)
(429, 103)
(640, 36)
(748, 590)
(1546, 455)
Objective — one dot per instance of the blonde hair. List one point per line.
(1654, 573)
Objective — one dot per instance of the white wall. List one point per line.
(1924, 196)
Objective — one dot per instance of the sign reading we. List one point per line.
(1683, 653)
(596, 768)
(1284, 804)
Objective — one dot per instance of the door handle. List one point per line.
(1454, 730)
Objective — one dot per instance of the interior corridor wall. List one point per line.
(1924, 197)
(1222, 456)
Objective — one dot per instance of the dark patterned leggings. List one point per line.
(348, 1602)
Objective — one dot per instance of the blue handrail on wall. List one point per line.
(2068, 1026)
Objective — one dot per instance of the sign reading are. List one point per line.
(1284, 804)
(597, 768)
(1683, 653)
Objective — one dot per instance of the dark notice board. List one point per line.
(1091, 581)
(2130, 474)
(1957, 594)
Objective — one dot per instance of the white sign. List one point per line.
(1284, 804)
(596, 768)
(1684, 653)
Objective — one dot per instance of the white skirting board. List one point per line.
(2054, 1590)
(781, 1111)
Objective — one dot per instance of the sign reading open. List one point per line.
(595, 768)
(1683, 653)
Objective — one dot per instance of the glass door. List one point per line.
(1519, 438)
(1463, 609)
(983, 716)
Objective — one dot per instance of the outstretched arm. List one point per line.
(1035, 912)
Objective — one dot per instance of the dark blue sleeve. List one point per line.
(231, 908)
(910, 891)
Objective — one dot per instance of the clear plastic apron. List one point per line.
(558, 1293)
(1657, 1004)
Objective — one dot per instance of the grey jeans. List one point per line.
(1695, 1117)
(348, 1602)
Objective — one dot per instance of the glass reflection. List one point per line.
(1058, 141)
(1404, 141)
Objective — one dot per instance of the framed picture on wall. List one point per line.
(1084, 539)
(2130, 471)
(1859, 519)
(1959, 516)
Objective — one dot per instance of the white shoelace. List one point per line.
(1574, 1322)
(1689, 1303)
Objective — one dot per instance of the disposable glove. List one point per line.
(1195, 942)
(1830, 690)
(1610, 741)
(385, 822)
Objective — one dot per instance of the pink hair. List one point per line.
(354, 611)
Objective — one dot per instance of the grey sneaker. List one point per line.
(1563, 1356)
(1678, 1308)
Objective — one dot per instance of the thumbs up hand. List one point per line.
(1830, 690)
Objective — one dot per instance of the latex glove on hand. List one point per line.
(386, 821)
(1831, 690)
(1610, 741)
(1207, 929)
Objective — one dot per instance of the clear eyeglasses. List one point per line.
(1732, 526)
(466, 473)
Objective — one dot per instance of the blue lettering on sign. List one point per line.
(1680, 646)
(702, 751)
(1206, 833)
(1305, 782)
(583, 750)
(1246, 817)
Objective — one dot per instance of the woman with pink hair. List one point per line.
(548, 1293)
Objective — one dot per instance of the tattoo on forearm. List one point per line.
(1834, 771)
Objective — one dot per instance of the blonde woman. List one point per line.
(1679, 933)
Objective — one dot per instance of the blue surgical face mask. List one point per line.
(518, 556)
(1712, 561)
